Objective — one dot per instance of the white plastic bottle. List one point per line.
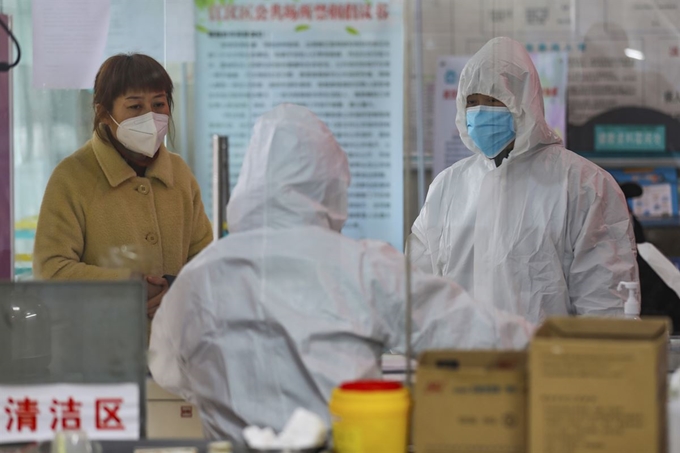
(632, 306)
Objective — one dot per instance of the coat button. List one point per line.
(151, 238)
(143, 189)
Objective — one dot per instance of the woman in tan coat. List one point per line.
(123, 190)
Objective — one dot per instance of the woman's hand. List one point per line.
(156, 289)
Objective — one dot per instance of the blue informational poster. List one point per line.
(345, 61)
(660, 190)
(448, 146)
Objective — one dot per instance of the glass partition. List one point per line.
(73, 333)
(49, 124)
(602, 63)
(609, 93)
(384, 78)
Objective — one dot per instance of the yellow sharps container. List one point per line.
(370, 416)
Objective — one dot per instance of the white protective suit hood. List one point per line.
(294, 173)
(547, 233)
(503, 70)
(283, 309)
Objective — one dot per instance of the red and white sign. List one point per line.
(36, 412)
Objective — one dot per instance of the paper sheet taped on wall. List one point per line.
(448, 147)
(656, 201)
(137, 27)
(69, 37)
(179, 31)
(659, 190)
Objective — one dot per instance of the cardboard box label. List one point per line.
(186, 411)
(470, 401)
(597, 386)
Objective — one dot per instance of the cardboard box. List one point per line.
(598, 385)
(470, 401)
(169, 416)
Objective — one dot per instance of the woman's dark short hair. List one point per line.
(123, 73)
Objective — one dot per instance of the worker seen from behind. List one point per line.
(285, 308)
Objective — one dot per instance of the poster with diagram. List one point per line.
(659, 191)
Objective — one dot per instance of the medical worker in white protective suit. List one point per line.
(285, 308)
(523, 223)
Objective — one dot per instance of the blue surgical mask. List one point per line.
(491, 128)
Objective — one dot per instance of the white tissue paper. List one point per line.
(304, 429)
(674, 414)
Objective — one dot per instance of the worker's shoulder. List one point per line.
(378, 251)
(207, 261)
(557, 158)
(463, 164)
(372, 244)
(585, 177)
(452, 173)
(582, 167)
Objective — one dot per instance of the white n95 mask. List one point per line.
(143, 134)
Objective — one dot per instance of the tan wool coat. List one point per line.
(100, 221)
